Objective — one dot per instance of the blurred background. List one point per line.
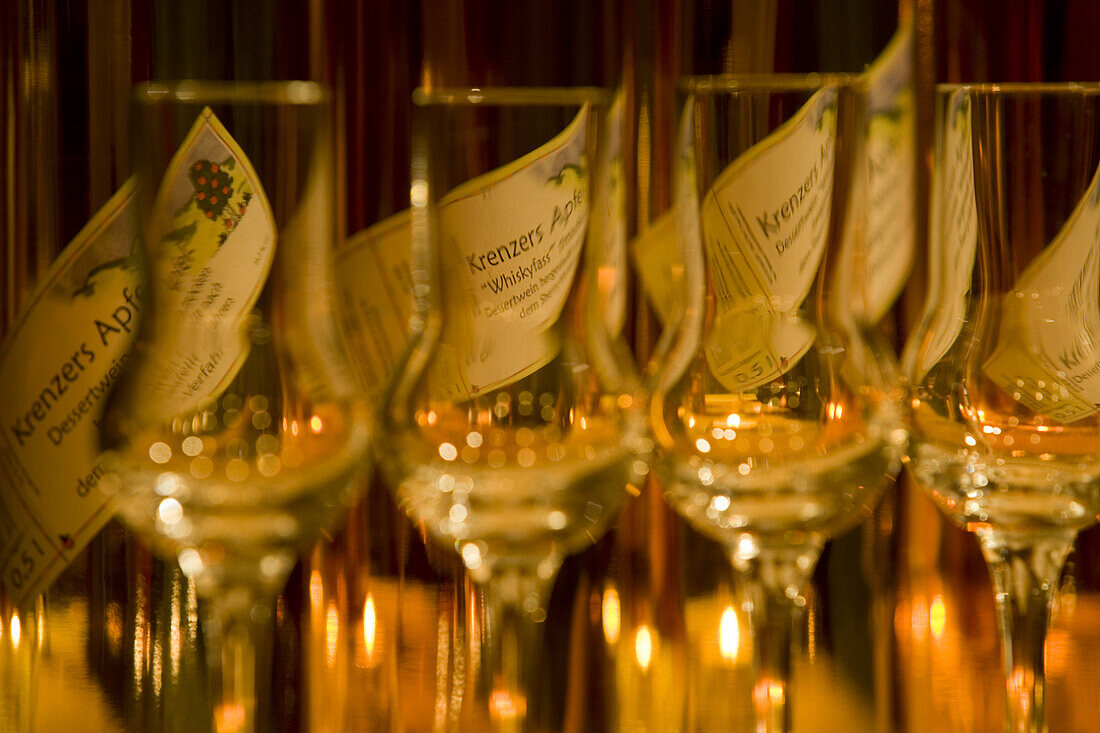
(375, 625)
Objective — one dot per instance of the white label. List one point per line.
(952, 234)
(68, 347)
(218, 235)
(511, 240)
(1048, 350)
(374, 287)
(764, 228)
(890, 238)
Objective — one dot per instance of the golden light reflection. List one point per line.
(332, 633)
(141, 628)
(229, 718)
(16, 631)
(160, 452)
(612, 616)
(316, 590)
(605, 276)
(315, 424)
(937, 617)
(768, 693)
(729, 635)
(919, 618)
(506, 707)
(175, 636)
(643, 647)
(370, 622)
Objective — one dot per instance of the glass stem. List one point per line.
(233, 638)
(515, 606)
(1025, 570)
(771, 582)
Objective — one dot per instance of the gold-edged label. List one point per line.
(218, 242)
(71, 342)
(511, 241)
(1048, 348)
(764, 225)
(374, 288)
(889, 244)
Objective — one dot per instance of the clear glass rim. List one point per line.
(733, 83)
(195, 91)
(511, 96)
(1022, 88)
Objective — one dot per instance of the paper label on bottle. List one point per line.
(374, 289)
(890, 239)
(218, 235)
(888, 248)
(764, 227)
(1048, 349)
(952, 235)
(659, 264)
(510, 241)
(66, 351)
(609, 218)
(57, 365)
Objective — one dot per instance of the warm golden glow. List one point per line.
(229, 718)
(160, 452)
(920, 618)
(113, 626)
(612, 615)
(370, 621)
(316, 590)
(605, 276)
(643, 647)
(315, 424)
(937, 617)
(175, 636)
(16, 631)
(506, 707)
(332, 633)
(768, 693)
(729, 635)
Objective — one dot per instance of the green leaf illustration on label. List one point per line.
(219, 238)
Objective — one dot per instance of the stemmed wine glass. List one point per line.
(508, 432)
(235, 431)
(1003, 366)
(776, 424)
